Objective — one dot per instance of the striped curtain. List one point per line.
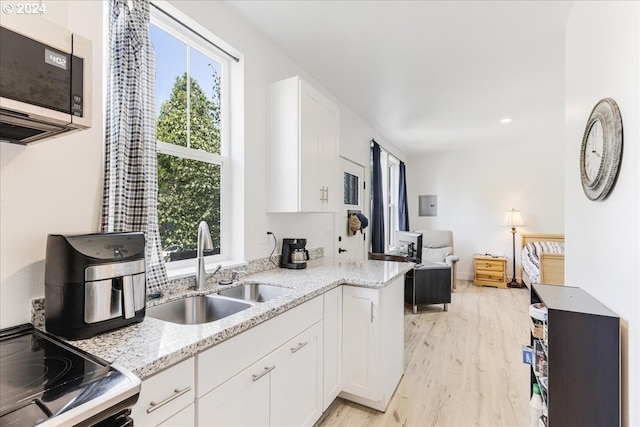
(130, 197)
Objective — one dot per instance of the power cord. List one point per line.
(275, 244)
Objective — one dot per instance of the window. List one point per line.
(351, 189)
(390, 166)
(192, 86)
(392, 220)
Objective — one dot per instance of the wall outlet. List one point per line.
(267, 238)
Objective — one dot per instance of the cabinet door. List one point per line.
(329, 160)
(332, 325)
(296, 382)
(184, 418)
(241, 401)
(310, 187)
(165, 394)
(360, 342)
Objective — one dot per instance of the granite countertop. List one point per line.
(152, 345)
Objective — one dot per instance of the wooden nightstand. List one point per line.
(490, 271)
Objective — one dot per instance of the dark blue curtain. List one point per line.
(377, 203)
(403, 208)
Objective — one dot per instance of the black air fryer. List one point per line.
(94, 283)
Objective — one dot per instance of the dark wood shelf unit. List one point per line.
(583, 356)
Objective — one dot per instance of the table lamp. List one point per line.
(513, 219)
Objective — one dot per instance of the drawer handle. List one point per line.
(176, 393)
(371, 311)
(266, 370)
(300, 345)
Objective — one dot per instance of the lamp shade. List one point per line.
(513, 218)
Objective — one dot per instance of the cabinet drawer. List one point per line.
(165, 394)
(490, 265)
(221, 362)
(186, 417)
(489, 277)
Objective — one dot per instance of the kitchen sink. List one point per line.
(197, 309)
(255, 292)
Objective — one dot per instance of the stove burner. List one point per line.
(17, 374)
(42, 378)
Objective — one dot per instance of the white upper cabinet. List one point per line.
(303, 129)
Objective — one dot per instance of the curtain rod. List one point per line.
(235, 58)
(373, 141)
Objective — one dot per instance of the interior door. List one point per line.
(350, 245)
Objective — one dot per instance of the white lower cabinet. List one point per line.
(373, 343)
(296, 381)
(165, 395)
(241, 401)
(332, 357)
(270, 374)
(287, 371)
(184, 418)
(282, 389)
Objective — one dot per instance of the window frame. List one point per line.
(393, 211)
(176, 26)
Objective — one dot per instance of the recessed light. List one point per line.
(506, 120)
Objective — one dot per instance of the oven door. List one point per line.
(121, 419)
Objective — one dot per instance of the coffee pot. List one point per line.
(299, 255)
(294, 255)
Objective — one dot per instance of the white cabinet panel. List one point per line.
(241, 401)
(282, 389)
(184, 418)
(361, 340)
(332, 359)
(296, 383)
(165, 394)
(302, 164)
(373, 343)
(221, 362)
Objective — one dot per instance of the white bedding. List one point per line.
(530, 257)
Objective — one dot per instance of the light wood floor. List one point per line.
(462, 367)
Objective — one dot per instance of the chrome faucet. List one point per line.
(204, 243)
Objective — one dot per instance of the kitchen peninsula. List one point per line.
(344, 311)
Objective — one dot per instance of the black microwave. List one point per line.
(45, 80)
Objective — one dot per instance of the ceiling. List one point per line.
(430, 75)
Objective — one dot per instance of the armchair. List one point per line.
(437, 246)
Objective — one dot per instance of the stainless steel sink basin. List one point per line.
(197, 310)
(256, 292)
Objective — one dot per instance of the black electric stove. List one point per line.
(46, 382)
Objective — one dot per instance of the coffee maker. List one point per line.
(294, 255)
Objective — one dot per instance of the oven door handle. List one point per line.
(176, 394)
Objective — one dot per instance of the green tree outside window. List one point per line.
(189, 190)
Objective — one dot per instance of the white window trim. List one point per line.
(394, 197)
(232, 135)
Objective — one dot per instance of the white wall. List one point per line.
(264, 64)
(476, 187)
(50, 187)
(603, 238)
(56, 186)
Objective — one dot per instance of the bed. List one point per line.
(542, 258)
